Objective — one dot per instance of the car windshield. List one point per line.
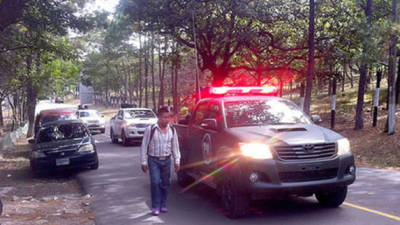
(131, 114)
(62, 132)
(88, 114)
(263, 112)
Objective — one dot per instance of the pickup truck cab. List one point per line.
(254, 146)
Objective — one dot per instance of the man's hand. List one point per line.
(145, 168)
(177, 167)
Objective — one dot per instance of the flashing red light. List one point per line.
(266, 90)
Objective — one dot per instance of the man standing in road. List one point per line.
(160, 141)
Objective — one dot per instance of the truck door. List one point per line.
(211, 139)
(196, 133)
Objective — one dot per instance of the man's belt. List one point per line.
(160, 157)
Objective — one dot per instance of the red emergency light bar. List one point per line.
(265, 90)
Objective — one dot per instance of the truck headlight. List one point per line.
(256, 150)
(343, 146)
(89, 148)
(37, 154)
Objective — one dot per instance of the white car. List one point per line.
(92, 119)
(129, 124)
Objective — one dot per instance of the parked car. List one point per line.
(63, 144)
(50, 115)
(129, 124)
(92, 119)
(262, 147)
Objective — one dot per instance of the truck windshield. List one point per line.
(263, 112)
(131, 114)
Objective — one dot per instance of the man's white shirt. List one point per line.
(161, 144)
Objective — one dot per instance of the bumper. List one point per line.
(135, 133)
(75, 161)
(278, 177)
(96, 126)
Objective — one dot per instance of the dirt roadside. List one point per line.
(50, 199)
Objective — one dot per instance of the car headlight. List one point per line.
(86, 148)
(132, 125)
(256, 150)
(343, 146)
(37, 154)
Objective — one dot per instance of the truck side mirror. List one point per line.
(316, 119)
(186, 120)
(209, 124)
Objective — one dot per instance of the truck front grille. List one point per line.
(142, 125)
(302, 176)
(306, 152)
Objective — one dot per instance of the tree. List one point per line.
(310, 68)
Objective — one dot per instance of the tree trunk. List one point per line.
(160, 75)
(153, 85)
(392, 74)
(310, 68)
(140, 70)
(398, 82)
(359, 122)
(146, 75)
(31, 92)
(1, 114)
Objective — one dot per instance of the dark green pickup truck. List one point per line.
(253, 146)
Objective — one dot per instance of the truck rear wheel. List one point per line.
(332, 198)
(235, 203)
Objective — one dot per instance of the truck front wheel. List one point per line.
(235, 203)
(332, 198)
(183, 178)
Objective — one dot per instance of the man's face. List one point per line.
(163, 119)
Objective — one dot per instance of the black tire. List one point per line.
(234, 202)
(183, 178)
(332, 198)
(125, 140)
(95, 166)
(113, 139)
(102, 131)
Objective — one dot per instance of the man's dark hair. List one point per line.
(162, 110)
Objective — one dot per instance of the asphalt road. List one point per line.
(121, 196)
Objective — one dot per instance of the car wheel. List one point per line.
(102, 131)
(235, 203)
(125, 140)
(95, 166)
(183, 178)
(113, 139)
(332, 198)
